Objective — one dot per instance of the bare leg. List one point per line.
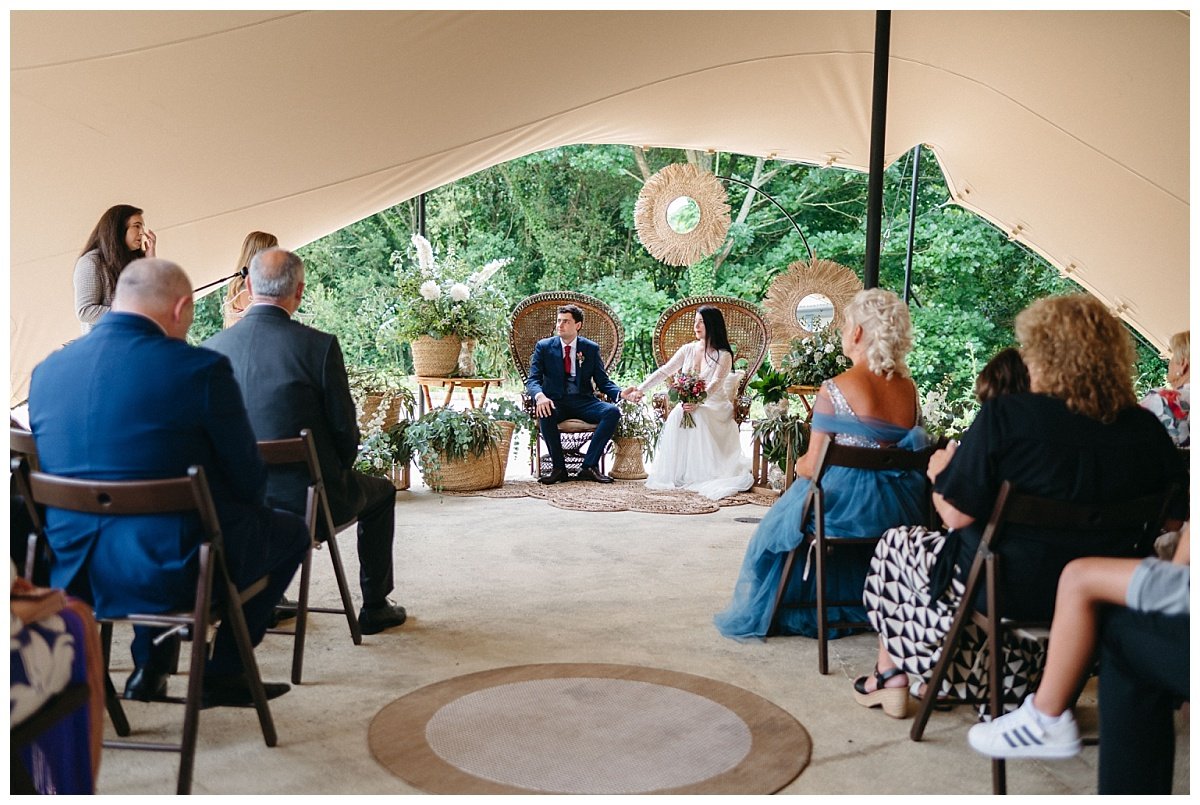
(1083, 586)
(883, 664)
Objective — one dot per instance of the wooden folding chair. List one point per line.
(532, 320)
(171, 496)
(317, 514)
(836, 455)
(22, 445)
(1139, 517)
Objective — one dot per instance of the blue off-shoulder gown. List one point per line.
(857, 502)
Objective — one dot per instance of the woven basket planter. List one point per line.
(627, 463)
(435, 357)
(371, 405)
(472, 473)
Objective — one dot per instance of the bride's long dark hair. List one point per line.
(715, 333)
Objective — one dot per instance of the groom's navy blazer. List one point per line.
(547, 376)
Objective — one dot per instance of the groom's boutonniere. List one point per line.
(579, 358)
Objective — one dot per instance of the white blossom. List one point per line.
(430, 289)
(484, 274)
(424, 256)
(460, 292)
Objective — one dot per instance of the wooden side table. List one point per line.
(807, 395)
(450, 384)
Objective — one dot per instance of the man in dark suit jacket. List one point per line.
(293, 377)
(565, 372)
(132, 400)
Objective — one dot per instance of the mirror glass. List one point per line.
(815, 312)
(683, 215)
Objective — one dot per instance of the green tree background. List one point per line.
(566, 217)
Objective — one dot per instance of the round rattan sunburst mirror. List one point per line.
(807, 297)
(682, 214)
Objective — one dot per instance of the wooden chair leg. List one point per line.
(195, 691)
(786, 576)
(112, 702)
(301, 627)
(339, 572)
(822, 620)
(995, 670)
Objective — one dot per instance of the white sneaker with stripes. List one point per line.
(1021, 734)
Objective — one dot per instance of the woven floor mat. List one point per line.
(576, 728)
(619, 496)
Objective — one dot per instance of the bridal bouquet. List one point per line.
(687, 388)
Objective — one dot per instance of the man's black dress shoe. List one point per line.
(146, 686)
(556, 476)
(375, 619)
(592, 474)
(285, 610)
(232, 690)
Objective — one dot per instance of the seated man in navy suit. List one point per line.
(564, 374)
(133, 401)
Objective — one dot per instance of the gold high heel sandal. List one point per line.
(894, 701)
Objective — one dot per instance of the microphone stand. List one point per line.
(241, 272)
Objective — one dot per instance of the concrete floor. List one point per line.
(491, 583)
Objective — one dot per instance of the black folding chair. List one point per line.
(176, 495)
(317, 514)
(836, 455)
(1139, 517)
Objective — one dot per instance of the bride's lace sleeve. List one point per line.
(667, 369)
(724, 366)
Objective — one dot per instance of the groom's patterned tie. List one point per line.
(567, 360)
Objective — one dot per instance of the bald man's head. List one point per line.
(157, 289)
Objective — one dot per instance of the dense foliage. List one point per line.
(565, 216)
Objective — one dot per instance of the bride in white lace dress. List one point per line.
(708, 458)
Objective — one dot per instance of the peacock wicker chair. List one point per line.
(748, 335)
(532, 320)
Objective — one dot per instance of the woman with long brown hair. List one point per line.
(237, 296)
(119, 238)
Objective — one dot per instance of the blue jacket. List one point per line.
(127, 402)
(547, 376)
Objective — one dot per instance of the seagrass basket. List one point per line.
(473, 473)
(372, 403)
(435, 357)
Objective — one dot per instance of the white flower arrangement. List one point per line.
(816, 358)
(440, 296)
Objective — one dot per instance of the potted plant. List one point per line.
(771, 386)
(443, 308)
(460, 450)
(636, 436)
(385, 453)
(775, 434)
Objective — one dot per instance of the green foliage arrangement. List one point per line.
(640, 421)
(449, 434)
(769, 383)
(440, 298)
(382, 449)
(775, 433)
(812, 360)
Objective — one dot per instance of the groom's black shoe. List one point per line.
(592, 474)
(556, 476)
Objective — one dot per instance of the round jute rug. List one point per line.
(588, 729)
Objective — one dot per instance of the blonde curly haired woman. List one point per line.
(1078, 435)
(237, 296)
(872, 404)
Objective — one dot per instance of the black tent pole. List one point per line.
(912, 225)
(883, 30)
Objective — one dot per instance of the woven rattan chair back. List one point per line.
(533, 319)
(747, 326)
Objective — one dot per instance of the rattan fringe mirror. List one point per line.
(682, 214)
(807, 297)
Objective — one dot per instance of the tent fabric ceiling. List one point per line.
(1068, 130)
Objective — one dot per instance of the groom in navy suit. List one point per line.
(565, 372)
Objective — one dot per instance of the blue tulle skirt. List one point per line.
(857, 502)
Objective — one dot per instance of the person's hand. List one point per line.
(688, 407)
(939, 460)
(545, 405)
(632, 394)
(149, 239)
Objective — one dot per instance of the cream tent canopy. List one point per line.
(1068, 130)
